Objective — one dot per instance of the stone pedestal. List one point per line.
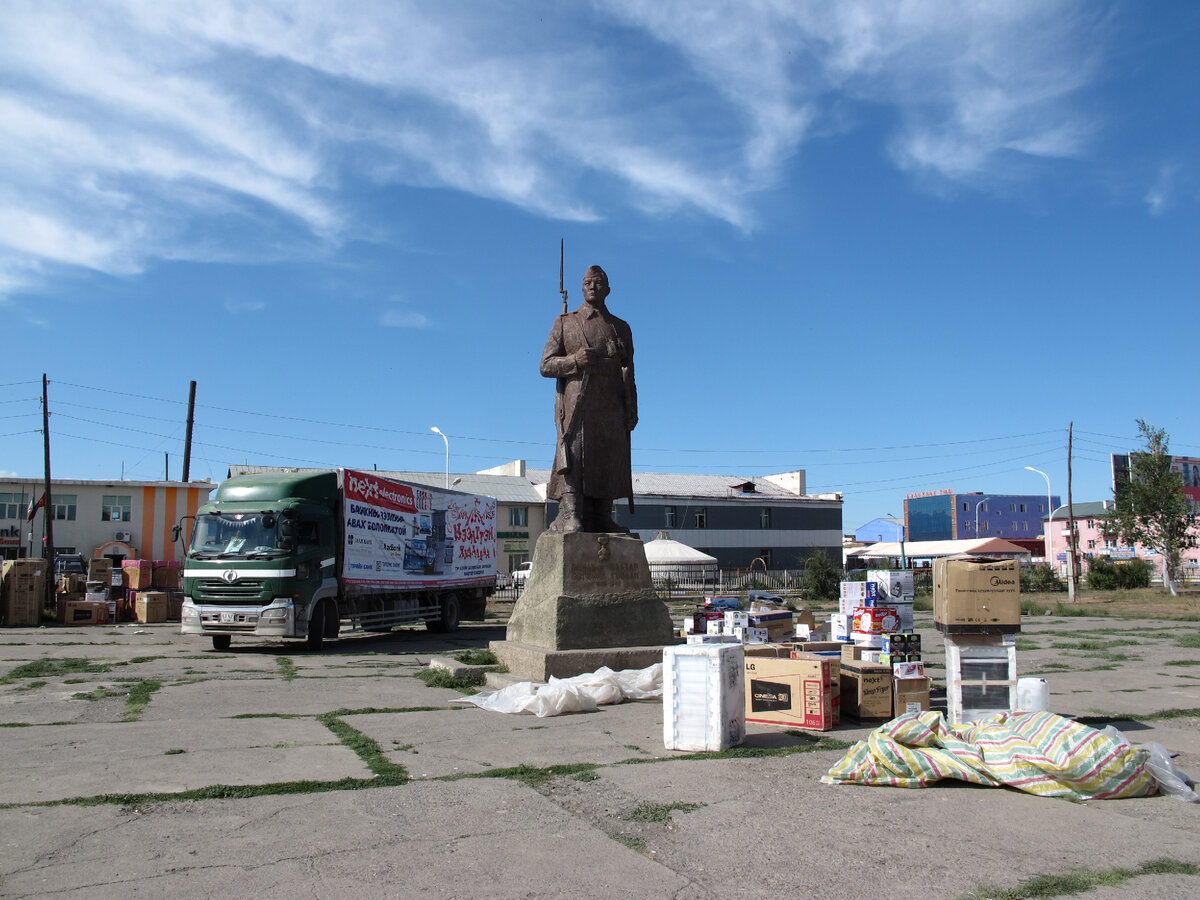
(589, 602)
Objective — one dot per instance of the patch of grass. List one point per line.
(53, 668)
(659, 812)
(440, 678)
(823, 743)
(1177, 662)
(267, 716)
(376, 710)
(175, 751)
(1189, 640)
(287, 668)
(100, 693)
(1026, 644)
(1083, 880)
(632, 841)
(587, 776)
(139, 699)
(143, 659)
(477, 657)
(366, 749)
(33, 685)
(1088, 645)
(532, 776)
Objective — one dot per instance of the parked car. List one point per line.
(521, 574)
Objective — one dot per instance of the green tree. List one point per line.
(1150, 506)
(820, 579)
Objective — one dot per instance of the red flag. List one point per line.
(34, 507)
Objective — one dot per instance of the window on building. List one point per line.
(964, 506)
(1012, 507)
(1022, 507)
(983, 528)
(518, 516)
(765, 556)
(1024, 526)
(1091, 523)
(764, 517)
(12, 506)
(702, 517)
(669, 515)
(63, 506)
(1091, 545)
(1041, 507)
(116, 508)
(984, 505)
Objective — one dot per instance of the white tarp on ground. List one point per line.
(583, 693)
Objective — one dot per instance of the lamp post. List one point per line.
(437, 430)
(1050, 539)
(977, 505)
(903, 558)
(1049, 517)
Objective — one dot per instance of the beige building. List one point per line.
(115, 519)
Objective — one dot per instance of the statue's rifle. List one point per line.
(562, 459)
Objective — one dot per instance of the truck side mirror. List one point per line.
(175, 532)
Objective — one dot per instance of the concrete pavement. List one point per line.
(91, 783)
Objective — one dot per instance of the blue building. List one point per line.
(890, 530)
(947, 516)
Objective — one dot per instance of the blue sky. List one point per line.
(870, 240)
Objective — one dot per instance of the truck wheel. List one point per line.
(221, 641)
(450, 613)
(316, 628)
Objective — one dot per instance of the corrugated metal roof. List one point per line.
(664, 484)
(505, 488)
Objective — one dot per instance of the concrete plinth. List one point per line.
(589, 602)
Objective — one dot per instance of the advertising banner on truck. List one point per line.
(400, 534)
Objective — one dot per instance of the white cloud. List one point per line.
(403, 318)
(134, 130)
(236, 307)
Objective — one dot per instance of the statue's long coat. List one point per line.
(598, 446)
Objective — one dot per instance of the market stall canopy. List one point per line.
(662, 550)
(929, 549)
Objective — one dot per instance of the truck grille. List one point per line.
(213, 589)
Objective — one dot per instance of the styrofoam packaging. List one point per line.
(716, 626)
(736, 618)
(704, 696)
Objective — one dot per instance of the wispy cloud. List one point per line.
(403, 318)
(133, 130)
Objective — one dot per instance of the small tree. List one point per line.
(1150, 506)
(820, 579)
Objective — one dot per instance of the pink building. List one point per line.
(1089, 522)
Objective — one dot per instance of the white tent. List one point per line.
(930, 549)
(678, 562)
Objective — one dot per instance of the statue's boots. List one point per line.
(568, 520)
(602, 511)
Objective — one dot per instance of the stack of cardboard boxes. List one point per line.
(152, 592)
(76, 605)
(977, 606)
(22, 590)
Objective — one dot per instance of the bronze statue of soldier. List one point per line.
(590, 354)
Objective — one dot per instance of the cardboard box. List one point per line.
(100, 570)
(166, 576)
(174, 606)
(711, 639)
(841, 626)
(905, 670)
(866, 690)
(893, 585)
(70, 583)
(735, 618)
(150, 607)
(974, 595)
(703, 697)
(797, 693)
(21, 608)
(138, 574)
(83, 612)
(855, 594)
(757, 635)
(910, 695)
(779, 623)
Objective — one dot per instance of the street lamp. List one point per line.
(1049, 518)
(903, 559)
(977, 505)
(437, 430)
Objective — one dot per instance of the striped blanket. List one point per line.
(1036, 752)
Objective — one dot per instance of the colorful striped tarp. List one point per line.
(1036, 752)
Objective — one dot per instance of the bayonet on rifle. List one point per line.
(562, 290)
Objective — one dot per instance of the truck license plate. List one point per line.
(227, 618)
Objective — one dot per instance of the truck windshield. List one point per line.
(236, 535)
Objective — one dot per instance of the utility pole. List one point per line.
(48, 510)
(187, 441)
(1072, 546)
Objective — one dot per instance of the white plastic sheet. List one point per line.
(582, 693)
